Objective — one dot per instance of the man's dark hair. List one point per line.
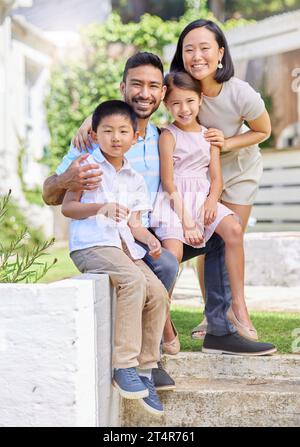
(143, 58)
(222, 74)
(113, 107)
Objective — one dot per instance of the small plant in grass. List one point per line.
(18, 263)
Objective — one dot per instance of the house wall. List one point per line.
(274, 76)
(18, 56)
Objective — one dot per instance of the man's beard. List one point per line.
(140, 113)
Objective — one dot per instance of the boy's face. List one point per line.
(143, 89)
(115, 135)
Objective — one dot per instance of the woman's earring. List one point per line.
(220, 65)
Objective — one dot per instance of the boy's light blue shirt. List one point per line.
(142, 156)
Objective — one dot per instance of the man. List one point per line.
(142, 87)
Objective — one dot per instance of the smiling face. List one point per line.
(143, 89)
(183, 106)
(115, 135)
(201, 53)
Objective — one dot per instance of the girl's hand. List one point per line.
(192, 233)
(83, 140)
(154, 247)
(210, 211)
(215, 137)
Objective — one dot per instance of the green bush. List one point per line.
(20, 249)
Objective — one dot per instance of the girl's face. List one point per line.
(201, 53)
(183, 105)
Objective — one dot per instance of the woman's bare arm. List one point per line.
(260, 130)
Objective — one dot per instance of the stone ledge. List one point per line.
(272, 259)
(197, 364)
(55, 344)
(221, 403)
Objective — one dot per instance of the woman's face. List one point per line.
(201, 53)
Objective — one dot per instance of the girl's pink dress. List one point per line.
(191, 160)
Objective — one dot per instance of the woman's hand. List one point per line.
(215, 137)
(154, 246)
(210, 211)
(82, 140)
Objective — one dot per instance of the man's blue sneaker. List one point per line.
(151, 403)
(129, 384)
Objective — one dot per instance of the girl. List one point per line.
(202, 51)
(187, 209)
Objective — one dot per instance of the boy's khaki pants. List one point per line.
(142, 304)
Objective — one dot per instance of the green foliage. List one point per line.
(256, 9)
(13, 224)
(19, 253)
(77, 86)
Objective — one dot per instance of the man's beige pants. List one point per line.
(142, 304)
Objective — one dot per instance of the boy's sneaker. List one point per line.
(235, 344)
(161, 379)
(129, 384)
(151, 403)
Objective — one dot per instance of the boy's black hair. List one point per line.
(222, 74)
(143, 58)
(113, 107)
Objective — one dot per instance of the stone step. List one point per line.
(197, 364)
(210, 402)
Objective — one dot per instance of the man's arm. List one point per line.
(75, 178)
(53, 191)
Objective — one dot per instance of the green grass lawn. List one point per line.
(64, 268)
(272, 327)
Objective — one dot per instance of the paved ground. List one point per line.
(187, 293)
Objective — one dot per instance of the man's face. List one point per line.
(143, 89)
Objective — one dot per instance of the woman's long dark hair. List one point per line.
(222, 74)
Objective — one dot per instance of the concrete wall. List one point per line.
(55, 359)
(272, 259)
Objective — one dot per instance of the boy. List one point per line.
(105, 223)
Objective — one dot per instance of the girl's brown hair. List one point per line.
(182, 80)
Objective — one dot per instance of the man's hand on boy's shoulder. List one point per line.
(79, 177)
(82, 139)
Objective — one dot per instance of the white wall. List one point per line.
(15, 58)
(55, 354)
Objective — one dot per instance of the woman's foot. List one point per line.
(171, 344)
(242, 323)
(199, 331)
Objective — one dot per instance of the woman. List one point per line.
(202, 51)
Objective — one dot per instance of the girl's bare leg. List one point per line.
(243, 211)
(176, 248)
(232, 234)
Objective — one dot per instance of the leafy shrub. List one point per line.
(20, 252)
